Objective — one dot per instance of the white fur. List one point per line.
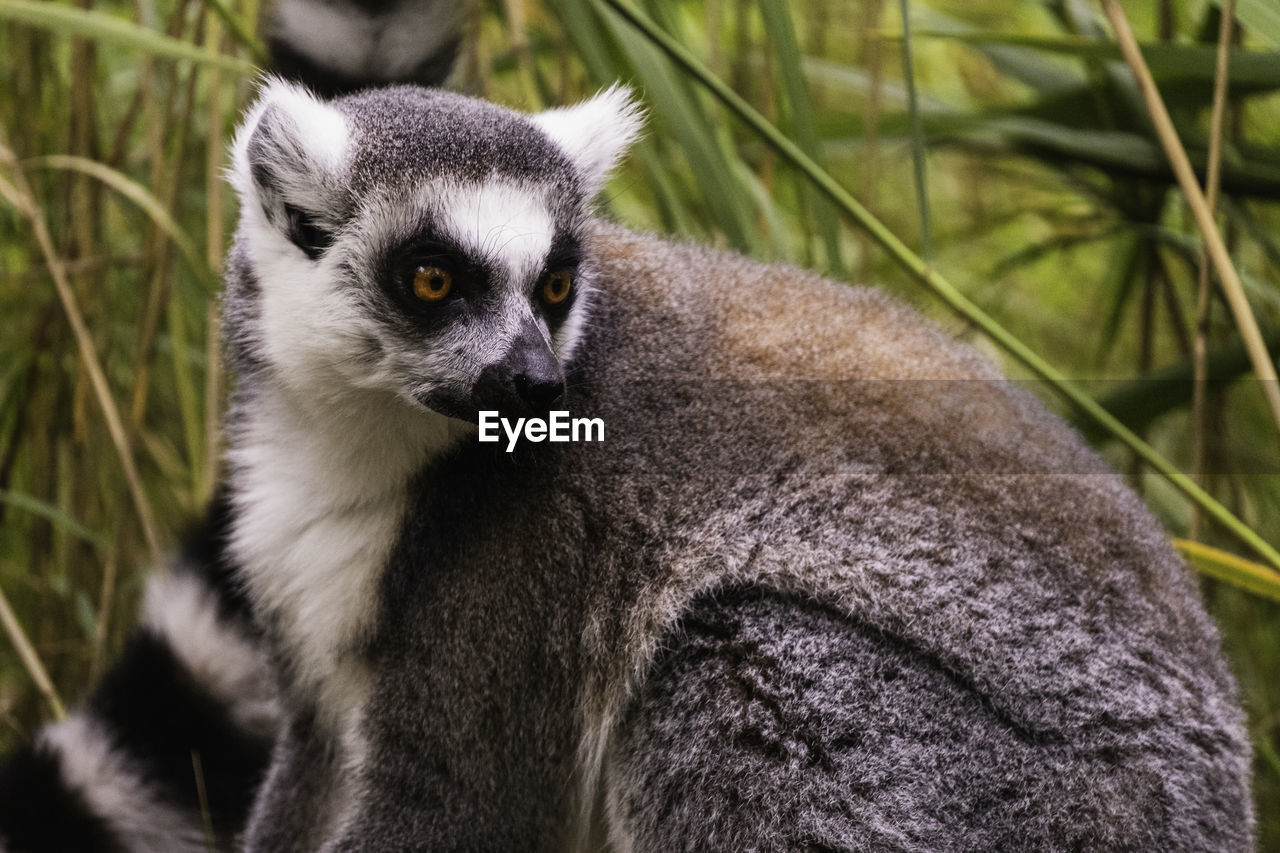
(313, 133)
(506, 222)
(183, 610)
(386, 45)
(596, 133)
(320, 495)
(117, 792)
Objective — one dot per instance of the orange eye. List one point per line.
(556, 287)
(431, 284)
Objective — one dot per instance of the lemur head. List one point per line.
(418, 242)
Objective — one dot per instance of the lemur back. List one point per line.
(829, 581)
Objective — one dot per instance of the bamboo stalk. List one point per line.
(917, 136)
(1213, 181)
(213, 249)
(938, 284)
(1217, 248)
(19, 194)
(240, 32)
(30, 659)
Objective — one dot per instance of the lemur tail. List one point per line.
(338, 46)
(168, 751)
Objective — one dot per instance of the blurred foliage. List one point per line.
(1048, 199)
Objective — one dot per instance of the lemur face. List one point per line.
(422, 243)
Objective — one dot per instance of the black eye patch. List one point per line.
(565, 253)
(470, 278)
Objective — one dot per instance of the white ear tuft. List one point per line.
(288, 161)
(291, 133)
(595, 133)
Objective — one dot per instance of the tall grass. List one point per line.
(1052, 210)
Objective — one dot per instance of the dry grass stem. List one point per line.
(1213, 182)
(30, 660)
(1200, 209)
(19, 193)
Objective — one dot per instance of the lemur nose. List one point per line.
(528, 380)
(541, 395)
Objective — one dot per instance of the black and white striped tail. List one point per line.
(168, 752)
(338, 46)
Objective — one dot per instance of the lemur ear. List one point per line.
(595, 133)
(288, 159)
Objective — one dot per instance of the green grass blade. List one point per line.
(140, 196)
(1225, 566)
(724, 200)
(939, 285)
(1028, 67)
(917, 135)
(51, 514)
(693, 126)
(108, 29)
(1140, 402)
(1261, 17)
(188, 395)
(791, 74)
(1251, 70)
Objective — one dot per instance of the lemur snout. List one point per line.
(527, 380)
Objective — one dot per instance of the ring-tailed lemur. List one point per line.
(829, 584)
(119, 774)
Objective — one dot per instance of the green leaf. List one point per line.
(1252, 71)
(1141, 401)
(1225, 566)
(1260, 17)
(1029, 67)
(700, 139)
(609, 55)
(50, 513)
(1118, 152)
(918, 161)
(108, 29)
(799, 106)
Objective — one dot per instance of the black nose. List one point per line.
(528, 380)
(540, 394)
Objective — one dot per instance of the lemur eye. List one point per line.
(556, 287)
(431, 284)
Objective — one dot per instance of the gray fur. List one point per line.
(830, 582)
